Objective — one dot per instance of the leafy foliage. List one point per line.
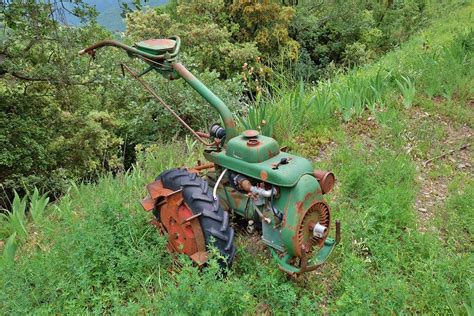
(223, 35)
(48, 132)
(204, 31)
(64, 117)
(266, 23)
(8, 255)
(354, 32)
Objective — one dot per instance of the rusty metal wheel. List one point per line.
(193, 220)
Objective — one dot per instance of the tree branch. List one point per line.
(49, 80)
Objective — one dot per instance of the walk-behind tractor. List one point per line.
(248, 175)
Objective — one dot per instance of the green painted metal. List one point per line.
(157, 46)
(271, 234)
(318, 258)
(286, 175)
(218, 104)
(238, 202)
(294, 202)
(255, 149)
(162, 49)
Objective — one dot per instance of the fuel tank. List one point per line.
(259, 157)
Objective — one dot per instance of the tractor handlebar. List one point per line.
(161, 55)
(166, 55)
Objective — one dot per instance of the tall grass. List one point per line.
(102, 256)
(439, 62)
(38, 206)
(259, 117)
(14, 220)
(408, 90)
(9, 250)
(446, 68)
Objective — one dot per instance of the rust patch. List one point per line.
(326, 180)
(271, 154)
(229, 122)
(199, 257)
(198, 168)
(263, 175)
(183, 72)
(253, 142)
(303, 240)
(236, 198)
(148, 204)
(299, 207)
(250, 133)
(162, 43)
(176, 219)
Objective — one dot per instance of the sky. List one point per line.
(109, 13)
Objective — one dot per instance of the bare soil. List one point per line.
(433, 190)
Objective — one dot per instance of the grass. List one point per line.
(436, 64)
(94, 251)
(14, 221)
(97, 253)
(408, 90)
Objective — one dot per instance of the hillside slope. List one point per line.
(407, 220)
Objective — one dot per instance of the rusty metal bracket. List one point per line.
(177, 220)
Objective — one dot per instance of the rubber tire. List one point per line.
(198, 196)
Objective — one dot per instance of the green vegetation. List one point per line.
(407, 222)
(68, 118)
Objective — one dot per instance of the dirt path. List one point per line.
(433, 184)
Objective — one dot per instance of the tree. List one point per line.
(49, 134)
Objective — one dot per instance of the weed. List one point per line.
(378, 87)
(15, 220)
(38, 206)
(345, 103)
(322, 104)
(408, 90)
(260, 118)
(9, 251)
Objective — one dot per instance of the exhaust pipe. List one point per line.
(326, 180)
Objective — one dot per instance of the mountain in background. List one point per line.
(109, 13)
